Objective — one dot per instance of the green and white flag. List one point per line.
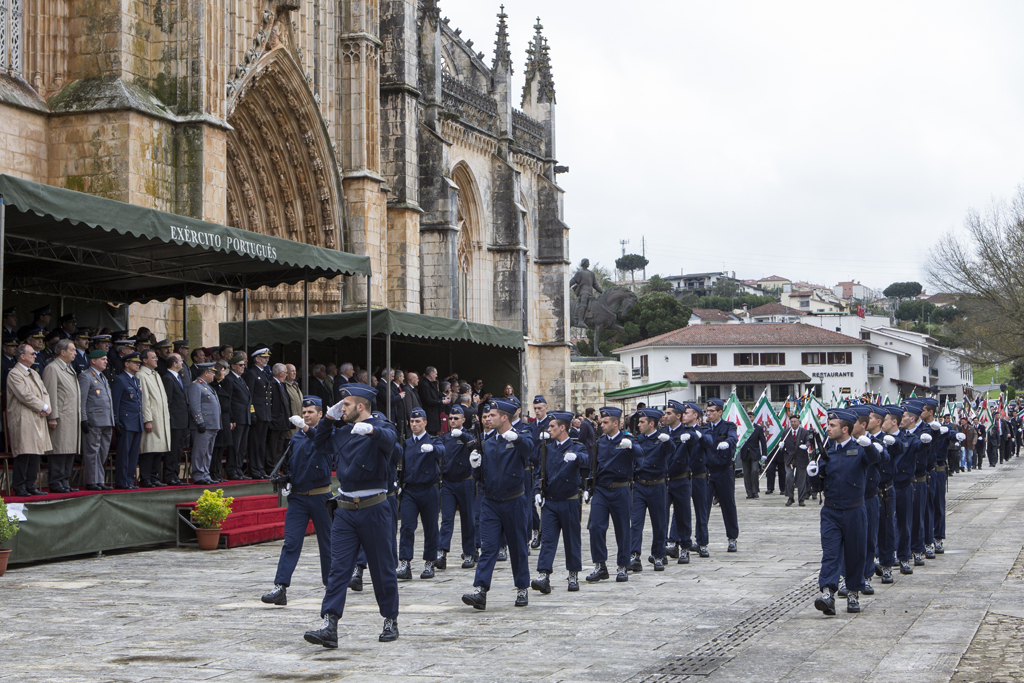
(986, 418)
(766, 416)
(913, 393)
(835, 400)
(815, 416)
(735, 413)
(946, 410)
(886, 401)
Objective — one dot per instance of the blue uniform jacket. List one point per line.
(924, 458)
(525, 430)
(905, 466)
(688, 456)
(535, 430)
(456, 456)
(361, 462)
(503, 471)
(308, 468)
(844, 469)
(422, 469)
(887, 469)
(126, 395)
(564, 478)
(714, 434)
(874, 472)
(615, 464)
(653, 464)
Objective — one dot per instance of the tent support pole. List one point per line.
(3, 214)
(245, 320)
(369, 334)
(388, 372)
(305, 339)
(184, 317)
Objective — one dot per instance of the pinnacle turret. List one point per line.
(502, 53)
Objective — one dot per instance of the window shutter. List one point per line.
(782, 359)
(735, 359)
(764, 359)
(803, 359)
(753, 359)
(714, 359)
(693, 359)
(849, 358)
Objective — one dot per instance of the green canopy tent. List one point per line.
(471, 349)
(645, 391)
(61, 244)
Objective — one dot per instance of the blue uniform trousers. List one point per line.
(504, 520)
(723, 485)
(561, 517)
(929, 511)
(393, 502)
(680, 529)
(938, 486)
(701, 509)
(871, 535)
(461, 496)
(904, 521)
(655, 500)
(301, 510)
(368, 528)
(917, 541)
(423, 504)
(886, 546)
(842, 547)
(127, 458)
(607, 503)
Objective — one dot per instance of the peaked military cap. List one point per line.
(309, 401)
(610, 411)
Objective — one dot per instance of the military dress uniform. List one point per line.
(557, 483)
(539, 432)
(904, 479)
(872, 489)
(924, 462)
(885, 547)
(650, 494)
(204, 408)
(421, 466)
(458, 492)
(262, 397)
(686, 449)
(613, 475)
(720, 451)
(126, 395)
(97, 425)
(241, 412)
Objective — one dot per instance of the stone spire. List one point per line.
(539, 80)
(502, 53)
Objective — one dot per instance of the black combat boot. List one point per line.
(672, 550)
(826, 602)
(853, 602)
(574, 582)
(621, 575)
(535, 541)
(390, 632)
(703, 551)
(442, 560)
(905, 567)
(684, 557)
(887, 575)
(868, 590)
(356, 582)
(842, 592)
(428, 570)
(503, 553)
(327, 635)
(278, 596)
(404, 570)
(929, 551)
(918, 560)
(522, 597)
(543, 584)
(939, 550)
(468, 561)
(659, 564)
(600, 573)
(635, 565)
(732, 546)
(477, 599)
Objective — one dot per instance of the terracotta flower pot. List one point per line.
(208, 538)
(4, 554)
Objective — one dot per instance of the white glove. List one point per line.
(456, 433)
(864, 441)
(538, 500)
(812, 469)
(426, 448)
(335, 412)
(569, 457)
(684, 437)
(510, 435)
(934, 424)
(297, 421)
(586, 496)
(960, 436)
(663, 437)
(724, 446)
(544, 436)
(878, 447)
(624, 444)
(46, 407)
(943, 429)
(803, 447)
(926, 438)
(286, 490)
(475, 459)
(362, 428)
(889, 439)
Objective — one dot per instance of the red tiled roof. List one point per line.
(711, 314)
(747, 376)
(775, 309)
(774, 278)
(761, 334)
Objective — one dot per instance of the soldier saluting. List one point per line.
(584, 284)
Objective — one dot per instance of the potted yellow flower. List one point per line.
(211, 510)
(8, 527)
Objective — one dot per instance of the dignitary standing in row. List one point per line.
(97, 421)
(65, 418)
(127, 397)
(156, 422)
(204, 407)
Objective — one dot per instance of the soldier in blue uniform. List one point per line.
(557, 492)
(649, 490)
(612, 474)
(504, 509)
(719, 437)
(843, 518)
(80, 338)
(421, 467)
(681, 423)
(885, 548)
(126, 395)
(262, 396)
(539, 431)
(905, 485)
(871, 416)
(458, 491)
(360, 447)
(523, 428)
(921, 432)
(308, 485)
(941, 437)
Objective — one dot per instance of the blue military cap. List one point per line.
(842, 414)
(418, 412)
(868, 408)
(359, 390)
(653, 413)
(515, 401)
(9, 339)
(539, 398)
(456, 410)
(610, 411)
(203, 367)
(132, 357)
(929, 402)
(10, 310)
(694, 406)
(561, 415)
(912, 407)
(309, 401)
(894, 410)
(677, 405)
(42, 310)
(717, 402)
(81, 333)
(506, 405)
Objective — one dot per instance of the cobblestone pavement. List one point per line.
(185, 615)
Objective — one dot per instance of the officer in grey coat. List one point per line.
(204, 407)
(97, 421)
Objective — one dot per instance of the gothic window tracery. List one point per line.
(464, 258)
(11, 35)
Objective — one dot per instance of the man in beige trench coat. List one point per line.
(28, 405)
(65, 418)
(156, 422)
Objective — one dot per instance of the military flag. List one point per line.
(765, 416)
(735, 413)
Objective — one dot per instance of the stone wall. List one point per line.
(592, 378)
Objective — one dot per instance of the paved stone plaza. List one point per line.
(186, 615)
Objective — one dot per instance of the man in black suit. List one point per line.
(398, 414)
(241, 417)
(754, 448)
(433, 400)
(260, 391)
(412, 394)
(280, 411)
(345, 373)
(318, 385)
(177, 407)
(794, 452)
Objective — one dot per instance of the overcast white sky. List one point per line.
(775, 137)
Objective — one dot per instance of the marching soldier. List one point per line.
(649, 490)
(922, 437)
(557, 492)
(540, 439)
(681, 420)
(308, 483)
(260, 392)
(894, 446)
(609, 496)
(872, 415)
(458, 491)
(720, 447)
(421, 467)
(904, 479)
